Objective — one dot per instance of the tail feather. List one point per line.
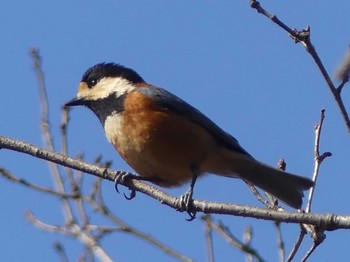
(284, 186)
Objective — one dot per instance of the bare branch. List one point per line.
(98, 204)
(317, 234)
(28, 184)
(247, 240)
(101, 207)
(309, 252)
(318, 159)
(208, 237)
(245, 247)
(303, 37)
(325, 221)
(297, 244)
(73, 230)
(259, 196)
(280, 242)
(63, 128)
(46, 132)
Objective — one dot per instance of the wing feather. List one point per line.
(176, 105)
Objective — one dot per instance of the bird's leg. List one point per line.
(122, 176)
(186, 199)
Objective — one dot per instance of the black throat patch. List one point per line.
(107, 106)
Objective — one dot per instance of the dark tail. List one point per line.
(285, 186)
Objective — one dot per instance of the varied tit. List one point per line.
(169, 142)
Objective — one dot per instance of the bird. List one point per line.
(169, 142)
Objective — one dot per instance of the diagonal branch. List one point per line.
(24, 182)
(303, 37)
(325, 221)
(244, 246)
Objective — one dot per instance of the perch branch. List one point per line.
(325, 221)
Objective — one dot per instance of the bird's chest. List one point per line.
(157, 145)
(129, 137)
(136, 138)
(156, 142)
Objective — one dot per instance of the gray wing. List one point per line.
(176, 105)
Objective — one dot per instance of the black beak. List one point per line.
(75, 102)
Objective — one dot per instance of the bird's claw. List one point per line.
(120, 178)
(186, 202)
(192, 215)
(132, 194)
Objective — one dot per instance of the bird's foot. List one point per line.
(186, 204)
(120, 178)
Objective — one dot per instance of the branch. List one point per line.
(310, 251)
(97, 203)
(280, 242)
(243, 246)
(325, 221)
(46, 131)
(208, 234)
(318, 158)
(316, 233)
(74, 230)
(297, 244)
(303, 37)
(102, 208)
(28, 184)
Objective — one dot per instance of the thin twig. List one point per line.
(316, 234)
(309, 252)
(259, 196)
(247, 240)
(224, 231)
(280, 242)
(74, 231)
(99, 205)
(296, 244)
(208, 237)
(30, 185)
(46, 132)
(342, 84)
(303, 37)
(63, 129)
(318, 159)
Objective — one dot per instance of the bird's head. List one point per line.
(104, 80)
(103, 88)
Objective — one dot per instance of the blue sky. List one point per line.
(223, 58)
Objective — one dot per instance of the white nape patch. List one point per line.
(105, 87)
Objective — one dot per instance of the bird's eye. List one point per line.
(92, 82)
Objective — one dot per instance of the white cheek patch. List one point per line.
(105, 87)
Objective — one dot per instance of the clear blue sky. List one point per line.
(220, 56)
